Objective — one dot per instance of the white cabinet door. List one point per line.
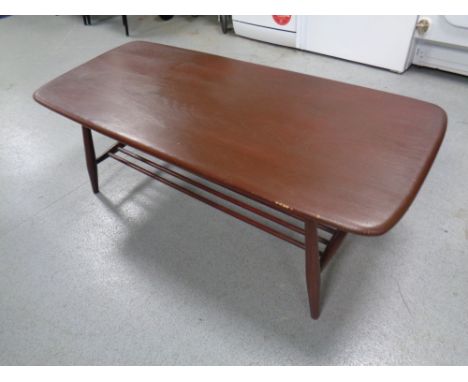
(383, 41)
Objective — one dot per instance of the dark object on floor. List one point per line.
(125, 23)
(87, 21)
(224, 20)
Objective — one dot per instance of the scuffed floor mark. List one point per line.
(463, 215)
(403, 299)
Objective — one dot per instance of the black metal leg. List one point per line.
(90, 158)
(223, 19)
(125, 23)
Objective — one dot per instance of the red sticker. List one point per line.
(282, 19)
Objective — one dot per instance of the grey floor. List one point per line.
(144, 275)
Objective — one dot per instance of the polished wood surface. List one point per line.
(346, 156)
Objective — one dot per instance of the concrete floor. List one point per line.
(142, 274)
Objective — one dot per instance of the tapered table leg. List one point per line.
(90, 158)
(312, 265)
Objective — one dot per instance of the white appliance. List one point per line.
(278, 29)
(383, 41)
(390, 42)
(442, 43)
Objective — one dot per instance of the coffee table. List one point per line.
(303, 158)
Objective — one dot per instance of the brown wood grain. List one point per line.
(347, 156)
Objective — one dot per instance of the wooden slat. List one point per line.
(332, 247)
(113, 149)
(210, 202)
(212, 191)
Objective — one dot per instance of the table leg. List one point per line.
(312, 265)
(332, 247)
(90, 158)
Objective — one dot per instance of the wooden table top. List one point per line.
(350, 157)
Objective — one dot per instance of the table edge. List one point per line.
(374, 230)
